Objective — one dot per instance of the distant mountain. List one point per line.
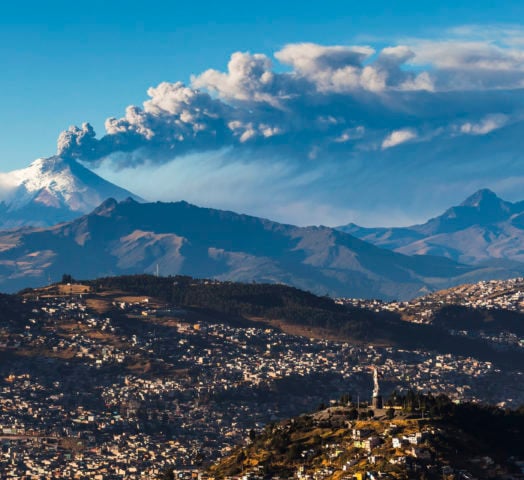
(130, 237)
(52, 190)
(482, 229)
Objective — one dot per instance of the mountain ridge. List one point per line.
(130, 237)
(482, 229)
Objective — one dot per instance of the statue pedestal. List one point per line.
(377, 402)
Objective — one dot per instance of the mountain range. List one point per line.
(52, 190)
(483, 230)
(131, 237)
(481, 239)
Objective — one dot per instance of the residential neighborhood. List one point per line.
(148, 386)
(486, 296)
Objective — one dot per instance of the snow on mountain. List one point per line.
(52, 190)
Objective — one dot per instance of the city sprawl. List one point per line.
(127, 392)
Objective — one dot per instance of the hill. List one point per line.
(111, 378)
(456, 441)
(299, 312)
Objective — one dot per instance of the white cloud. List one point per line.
(310, 58)
(398, 137)
(329, 68)
(334, 100)
(345, 69)
(506, 35)
(248, 78)
(488, 124)
(351, 134)
(8, 184)
(471, 65)
(248, 131)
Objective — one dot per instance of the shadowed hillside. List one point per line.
(295, 307)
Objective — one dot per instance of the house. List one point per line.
(421, 453)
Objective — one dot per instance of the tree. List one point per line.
(293, 453)
(352, 414)
(166, 474)
(390, 413)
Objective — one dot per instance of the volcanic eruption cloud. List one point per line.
(315, 126)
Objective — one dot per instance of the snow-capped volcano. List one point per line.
(52, 190)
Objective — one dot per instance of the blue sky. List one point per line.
(66, 63)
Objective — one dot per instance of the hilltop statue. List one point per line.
(377, 398)
(376, 387)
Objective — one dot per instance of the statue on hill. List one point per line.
(377, 398)
(376, 387)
